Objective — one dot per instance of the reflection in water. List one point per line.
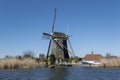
(58, 73)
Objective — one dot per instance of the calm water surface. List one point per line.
(68, 73)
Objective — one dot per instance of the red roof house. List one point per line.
(92, 57)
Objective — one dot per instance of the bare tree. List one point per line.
(28, 54)
(108, 55)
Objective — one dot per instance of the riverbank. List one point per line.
(106, 62)
(15, 63)
(111, 62)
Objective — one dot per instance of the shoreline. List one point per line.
(14, 63)
(28, 63)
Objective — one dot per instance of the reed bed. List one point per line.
(111, 62)
(14, 63)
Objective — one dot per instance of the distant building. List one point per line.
(92, 59)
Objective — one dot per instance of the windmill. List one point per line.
(58, 44)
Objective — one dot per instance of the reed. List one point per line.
(14, 63)
(111, 62)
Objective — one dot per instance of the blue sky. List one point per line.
(94, 24)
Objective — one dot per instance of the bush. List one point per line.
(52, 59)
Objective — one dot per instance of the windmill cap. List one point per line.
(59, 35)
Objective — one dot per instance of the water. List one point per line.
(67, 73)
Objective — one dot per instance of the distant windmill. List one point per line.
(58, 44)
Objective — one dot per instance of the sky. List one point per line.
(93, 24)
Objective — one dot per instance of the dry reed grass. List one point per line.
(13, 63)
(111, 62)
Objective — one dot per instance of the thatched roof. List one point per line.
(91, 57)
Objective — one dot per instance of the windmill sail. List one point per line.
(54, 21)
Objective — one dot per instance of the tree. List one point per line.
(52, 59)
(28, 54)
(108, 55)
(41, 57)
(19, 57)
(7, 56)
